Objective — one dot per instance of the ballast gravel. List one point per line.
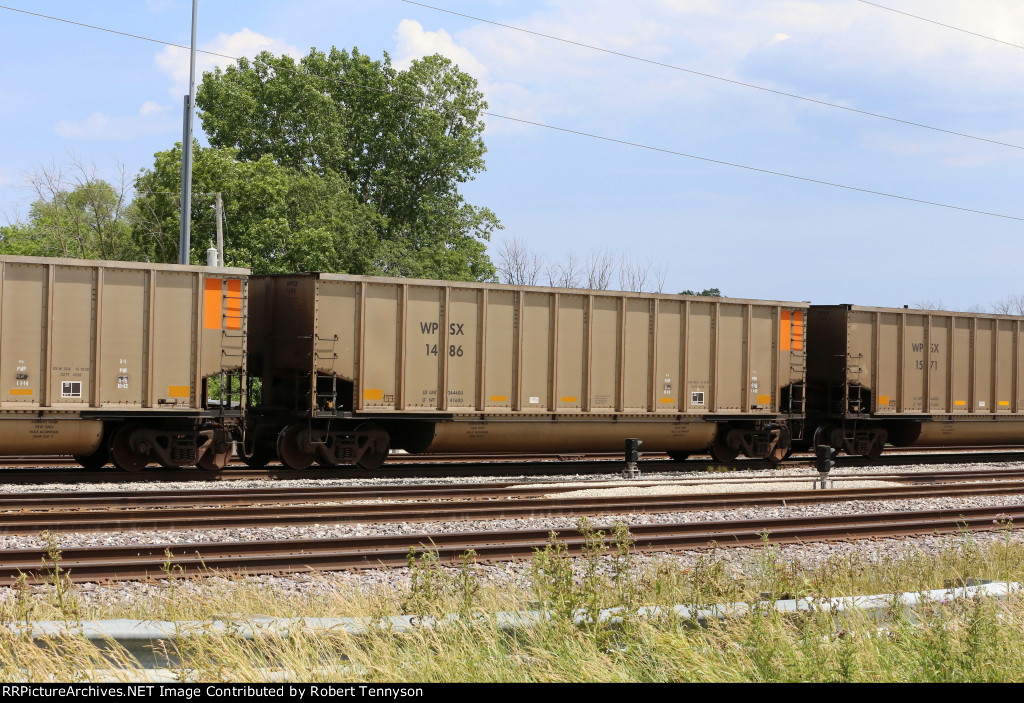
(737, 558)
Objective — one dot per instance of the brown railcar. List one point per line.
(913, 377)
(116, 361)
(353, 366)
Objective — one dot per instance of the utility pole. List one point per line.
(184, 237)
(219, 212)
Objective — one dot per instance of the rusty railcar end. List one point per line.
(913, 377)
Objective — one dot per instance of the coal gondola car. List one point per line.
(352, 367)
(121, 362)
(913, 377)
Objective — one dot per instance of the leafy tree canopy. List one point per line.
(279, 220)
(710, 292)
(401, 141)
(80, 217)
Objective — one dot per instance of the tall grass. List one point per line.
(459, 632)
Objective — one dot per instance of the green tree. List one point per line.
(403, 140)
(710, 292)
(74, 215)
(279, 220)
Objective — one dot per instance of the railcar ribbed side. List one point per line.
(914, 377)
(353, 366)
(123, 362)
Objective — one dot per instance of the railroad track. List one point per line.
(148, 562)
(131, 499)
(29, 514)
(496, 465)
(92, 500)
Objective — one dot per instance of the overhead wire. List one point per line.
(717, 78)
(754, 168)
(570, 131)
(925, 19)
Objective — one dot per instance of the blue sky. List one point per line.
(107, 101)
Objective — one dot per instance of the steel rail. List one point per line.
(426, 466)
(149, 562)
(51, 500)
(257, 516)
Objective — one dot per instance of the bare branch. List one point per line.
(519, 265)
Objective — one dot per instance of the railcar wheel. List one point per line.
(678, 456)
(121, 451)
(722, 452)
(374, 444)
(875, 452)
(213, 460)
(783, 447)
(293, 448)
(325, 457)
(95, 461)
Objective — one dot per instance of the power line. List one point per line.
(114, 31)
(947, 26)
(584, 134)
(718, 78)
(753, 168)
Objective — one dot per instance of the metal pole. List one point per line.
(184, 238)
(219, 208)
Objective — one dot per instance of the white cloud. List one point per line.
(152, 118)
(414, 42)
(149, 107)
(174, 61)
(839, 52)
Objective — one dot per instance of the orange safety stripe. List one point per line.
(798, 330)
(212, 301)
(784, 330)
(233, 302)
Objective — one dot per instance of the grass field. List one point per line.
(959, 640)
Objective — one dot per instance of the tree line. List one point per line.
(337, 162)
(600, 269)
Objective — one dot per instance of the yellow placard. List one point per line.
(1004, 403)
(569, 399)
(499, 398)
(764, 400)
(178, 391)
(22, 391)
(960, 402)
(667, 400)
(373, 394)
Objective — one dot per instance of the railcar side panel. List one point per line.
(463, 350)
(123, 335)
(605, 356)
(667, 380)
(535, 353)
(699, 334)
(79, 336)
(500, 351)
(443, 366)
(70, 383)
(22, 351)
